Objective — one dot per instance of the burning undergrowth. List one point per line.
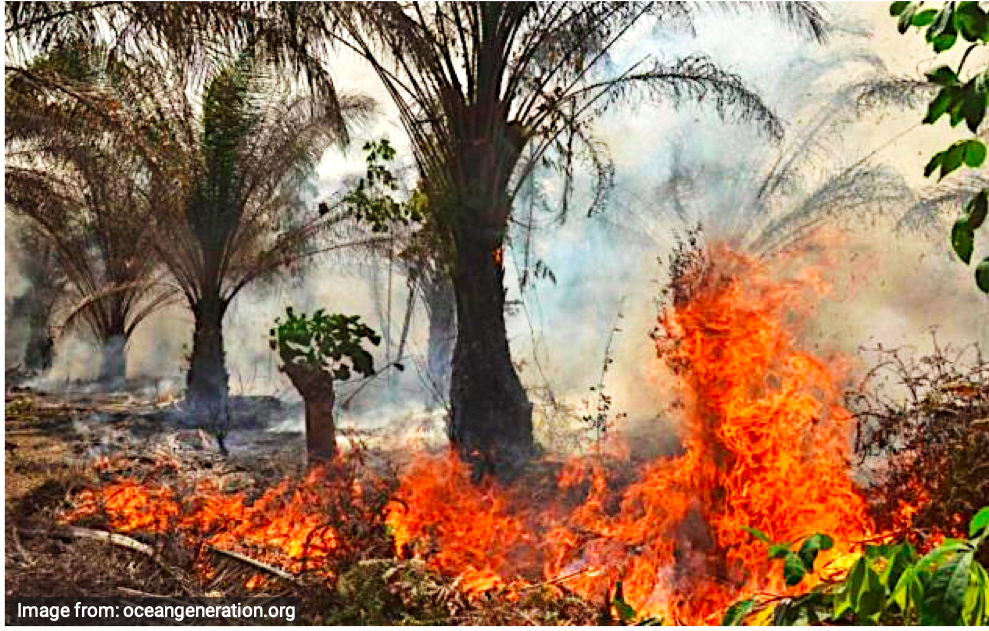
(315, 523)
(765, 446)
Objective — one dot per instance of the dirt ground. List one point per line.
(49, 455)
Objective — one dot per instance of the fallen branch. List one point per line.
(29, 561)
(117, 540)
(282, 574)
(101, 535)
(558, 579)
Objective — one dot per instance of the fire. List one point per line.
(293, 524)
(765, 446)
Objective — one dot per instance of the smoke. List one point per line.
(889, 287)
(16, 285)
(607, 270)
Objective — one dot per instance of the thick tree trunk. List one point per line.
(491, 420)
(441, 304)
(39, 352)
(113, 367)
(207, 390)
(316, 388)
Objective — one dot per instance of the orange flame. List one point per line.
(765, 446)
(291, 522)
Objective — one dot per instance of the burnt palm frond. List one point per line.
(849, 194)
(900, 92)
(942, 202)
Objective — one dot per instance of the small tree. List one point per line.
(316, 351)
(424, 252)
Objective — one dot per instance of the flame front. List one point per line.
(292, 522)
(766, 446)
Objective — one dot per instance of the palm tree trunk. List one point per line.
(491, 420)
(39, 352)
(440, 302)
(207, 390)
(114, 358)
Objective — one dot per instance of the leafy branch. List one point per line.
(887, 584)
(332, 343)
(372, 199)
(961, 100)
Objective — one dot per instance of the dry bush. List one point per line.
(923, 424)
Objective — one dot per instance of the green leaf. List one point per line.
(942, 34)
(899, 560)
(934, 163)
(944, 42)
(944, 597)
(939, 106)
(952, 158)
(871, 598)
(976, 608)
(625, 611)
(811, 546)
(758, 534)
(963, 239)
(979, 521)
(924, 17)
(974, 152)
(779, 550)
(943, 75)
(971, 21)
(793, 569)
(976, 208)
(982, 275)
(906, 17)
(903, 594)
(974, 110)
(737, 612)
(897, 8)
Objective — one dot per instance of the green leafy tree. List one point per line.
(962, 96)
(317, 351)
(423, 253)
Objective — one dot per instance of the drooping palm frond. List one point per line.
(101, 240)
(942, 202)
(902, 92)
(851, 194)
(86, 196)
(543, 68)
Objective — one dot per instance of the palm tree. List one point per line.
(230, 183)
(478, 83)
(769, 198)
(87, 200)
